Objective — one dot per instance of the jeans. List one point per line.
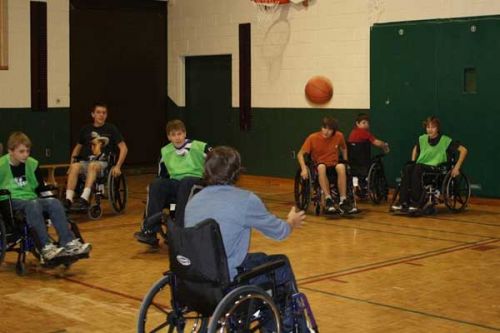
(34, 211)
(285, 282)
(163, 192)
(412, 184)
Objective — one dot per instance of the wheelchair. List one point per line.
(307, 191)
(106, 186)
(197, 294)
(368, 173)
(17, 236)
(440, 187)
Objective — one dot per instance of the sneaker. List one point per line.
(413, 209)
(80, 204)
(345, 206)
(76, 247)
(50, 251)
(146, 237)
(329, 206)
(67, 204)
(397, 207)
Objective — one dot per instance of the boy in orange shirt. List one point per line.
(324, 146)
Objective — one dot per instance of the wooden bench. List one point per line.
(51, 171)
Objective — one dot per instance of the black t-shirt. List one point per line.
(19, 174)
(108, 130)
(452, 148)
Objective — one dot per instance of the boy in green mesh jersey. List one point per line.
(432, 149)
(181, 166)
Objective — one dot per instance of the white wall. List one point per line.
(330, 37)
(15, 83)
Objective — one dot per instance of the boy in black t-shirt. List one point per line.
(81, 156)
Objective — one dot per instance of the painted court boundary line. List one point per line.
(392, 262)
(426, 314)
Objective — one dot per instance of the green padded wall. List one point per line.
(417, 70)
(47, 130)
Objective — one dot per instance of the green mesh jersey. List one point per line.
(188, 162)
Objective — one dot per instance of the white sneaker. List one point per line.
(75, 247)
(412, 209)
(50, 251)
(396, 207)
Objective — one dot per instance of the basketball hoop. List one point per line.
(267, 8)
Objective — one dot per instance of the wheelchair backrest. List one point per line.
(199, 264)
(359, 153)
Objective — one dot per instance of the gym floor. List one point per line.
(373, 272)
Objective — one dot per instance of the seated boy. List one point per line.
(431, 150)
(360, 140)
(324, 146)
(20, 174)
(237, 212)
(181, 166)
(81, 162)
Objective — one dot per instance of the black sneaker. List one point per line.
(146, 237)
(329, 206)
(66, 204)
(346, 206)
(80, 204)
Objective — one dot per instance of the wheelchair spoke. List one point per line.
(159, 307)
(159, 327)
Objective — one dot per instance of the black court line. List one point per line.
(333, 224)
(395, 307)
(393, 261)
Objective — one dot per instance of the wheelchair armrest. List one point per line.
(258, 270)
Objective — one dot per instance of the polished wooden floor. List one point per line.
(370, 273)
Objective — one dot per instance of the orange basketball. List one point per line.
(319, 90)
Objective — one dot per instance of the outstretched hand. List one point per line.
(116, 171)
(455, 172)
(295, 217)
(304, 174)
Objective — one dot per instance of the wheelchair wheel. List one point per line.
(456, 192)
(117, 192)
(377, 184)
(94, 212)
(302, 191)
(156, 314)
(245, 309)
(3, 240)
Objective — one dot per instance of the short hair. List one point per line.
(97, 104)
(16, 139)
(362, 116)
(330, 122)
(175, 125)
(432, 120)
(222, 166)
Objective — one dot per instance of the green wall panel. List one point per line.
(47, 130)
(276, 135)
(417, 70)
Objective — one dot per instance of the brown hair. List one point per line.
(97, 104)
(330, 122)
(432, 120)
(175, 125)
(16, 139)
(361, 117)
(222, 166)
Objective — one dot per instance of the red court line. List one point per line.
(397, 262)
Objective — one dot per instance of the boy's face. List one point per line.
(19, 154)
(99, 115)
(327, 132)
(177, 137)
(432, 130)
(363, 124)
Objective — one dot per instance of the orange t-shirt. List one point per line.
(324, 150)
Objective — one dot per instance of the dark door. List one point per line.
(118, 56)
(208, 98)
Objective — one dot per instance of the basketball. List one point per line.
(319, 90)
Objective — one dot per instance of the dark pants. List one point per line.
(412, 186)
(285, 280)
(163, 192)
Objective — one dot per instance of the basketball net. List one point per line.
(266, 9)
